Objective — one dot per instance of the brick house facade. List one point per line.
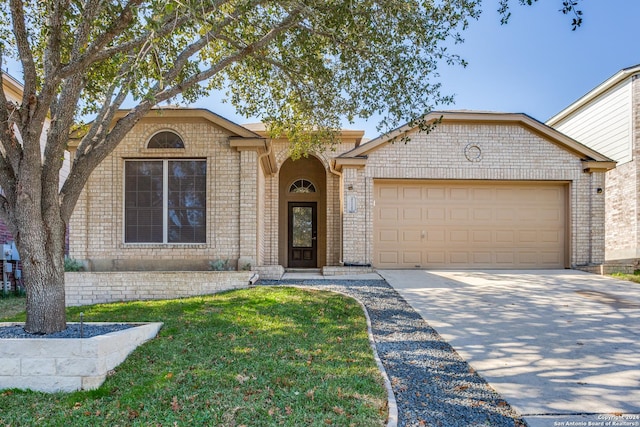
(482, 190)
(607, 119)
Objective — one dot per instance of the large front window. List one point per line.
(165, 201)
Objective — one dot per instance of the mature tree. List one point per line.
(300, 65)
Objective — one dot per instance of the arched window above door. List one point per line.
(302, 186)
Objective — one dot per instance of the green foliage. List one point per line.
(569, 7)
(258, 357)
(221, 265)
(300, 66)
(73, 265)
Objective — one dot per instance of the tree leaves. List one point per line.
(569, 7)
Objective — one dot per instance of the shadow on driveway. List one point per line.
(554, 344)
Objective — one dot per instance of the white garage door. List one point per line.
(469, 224)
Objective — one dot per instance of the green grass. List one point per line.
(635, 277)
(11, 305)
(256, 357)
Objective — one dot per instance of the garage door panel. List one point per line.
(552, 215)
(459, 214)
(388, 214)
(528, 214)
(388, 257)
(436, 257)
(505, 214)
(481, 194)
(411, 236)
(459, 236)
(479, 224)
(412, 257)
(412, 214)
(484, 258)
(412, 193)
(481, 236)
(388, 236)
(482, 214)
(550, 236)
(459, 258)
(389, 193)
(434, 214)
(436, 193)
(527, 236)
(434, 237)
(505, 258)
(505, 236)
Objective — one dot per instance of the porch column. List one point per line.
(248, 209)
(256, 160)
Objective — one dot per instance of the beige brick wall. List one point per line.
(622, 212)
(97, 229)
(509, 152)
(622, 201)
(271, 205)
(243, 203)
(85, 288)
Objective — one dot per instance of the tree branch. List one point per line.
(96, 51)
(250, 49)
(26, 55)
(93, 151)
(8, 115)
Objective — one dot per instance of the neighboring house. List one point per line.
(482, 190)
(13, 92)
(607, 119)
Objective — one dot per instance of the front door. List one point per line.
(303, 239)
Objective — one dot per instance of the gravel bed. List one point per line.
(432, 384)
(72, 331)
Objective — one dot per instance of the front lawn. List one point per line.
(255, 357)
(635, 277)
(10, 305)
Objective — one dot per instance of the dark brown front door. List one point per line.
(303, 239)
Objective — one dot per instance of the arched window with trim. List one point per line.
(165, 139)
(302, 186)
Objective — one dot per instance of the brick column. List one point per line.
(354, 216)
(248, 208)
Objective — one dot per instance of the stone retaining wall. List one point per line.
(67, 364)
(83, 288)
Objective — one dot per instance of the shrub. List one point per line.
(71, 264)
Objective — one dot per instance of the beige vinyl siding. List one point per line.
(605, 123)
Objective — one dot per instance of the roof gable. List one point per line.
(605, 86)
(195, 113)
(548, 133)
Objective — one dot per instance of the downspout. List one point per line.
(341, 183)
(269, 143)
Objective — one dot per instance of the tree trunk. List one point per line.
(44, 283)
(41, 249)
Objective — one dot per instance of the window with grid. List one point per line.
(165, 201)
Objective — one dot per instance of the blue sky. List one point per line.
(534, 65)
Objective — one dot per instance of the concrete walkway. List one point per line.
(562, 347)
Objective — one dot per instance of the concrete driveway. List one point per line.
(562, 347)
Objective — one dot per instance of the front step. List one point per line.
(303, 270)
